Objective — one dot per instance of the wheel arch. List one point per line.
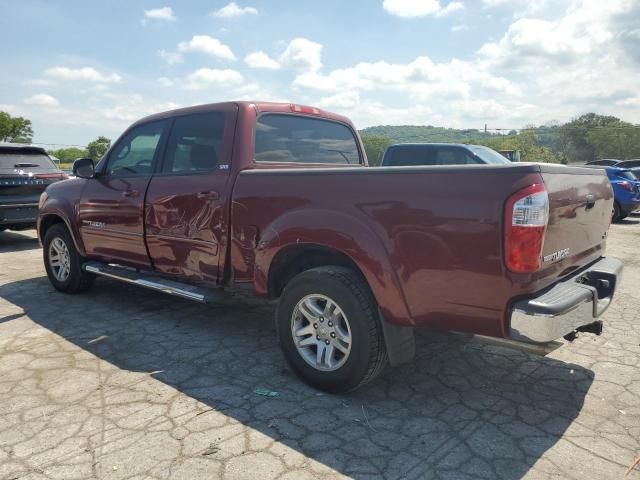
(47, 220)
(290, 247)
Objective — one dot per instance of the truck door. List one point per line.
(186, 204)
(111, 205)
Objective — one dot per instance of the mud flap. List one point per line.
(400, 342)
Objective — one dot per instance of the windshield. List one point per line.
(25, 161)
(488, 155)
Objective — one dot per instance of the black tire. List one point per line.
(617, 212)
(368, 355)
(77, 280)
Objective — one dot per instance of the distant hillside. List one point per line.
(417, 133)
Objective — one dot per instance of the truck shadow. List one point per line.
(461, 409)
(18, 241)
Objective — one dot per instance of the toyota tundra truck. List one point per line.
(279, 198)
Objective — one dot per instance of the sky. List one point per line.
(83, 68)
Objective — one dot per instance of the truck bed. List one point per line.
(440, 227)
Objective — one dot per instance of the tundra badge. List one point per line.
(552, 257)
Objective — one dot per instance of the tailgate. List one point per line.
(21, 188)
(580, 206)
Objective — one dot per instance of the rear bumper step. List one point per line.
(567, 306)
(155, 282)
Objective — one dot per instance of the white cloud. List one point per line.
(342, 100)
(210, 77)
(233, 10)
(420, 8)
(302, 54)
(208, 45)
(170, 57)
(82, 74)
(166, 82)
(42, 99)
(460, 28)
(164, 13)
(126, 108)
(261, 60)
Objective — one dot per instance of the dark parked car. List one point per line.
(279, 197)
(415, 154)
(25, 171)
(605, 162)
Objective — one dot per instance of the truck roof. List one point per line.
(258, 106)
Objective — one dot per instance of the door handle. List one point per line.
(130, 193)
(208, 195)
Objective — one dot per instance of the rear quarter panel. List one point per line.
(429, 239)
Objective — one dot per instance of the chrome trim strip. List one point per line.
(147, 284)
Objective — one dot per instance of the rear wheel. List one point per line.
(329, 329)
(63, 263)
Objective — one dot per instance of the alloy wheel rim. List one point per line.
(59, 259)
(321, 332)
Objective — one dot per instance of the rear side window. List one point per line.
(455, 156)
(195, 143)
(431, 156)
(297, 139)
(410, 156)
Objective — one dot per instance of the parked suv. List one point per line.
(25, 172)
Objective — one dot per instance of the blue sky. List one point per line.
(79, 69)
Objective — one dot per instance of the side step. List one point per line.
(155, 282)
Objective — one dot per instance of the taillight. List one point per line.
(525, 222)
(626, 185)
(51, 176)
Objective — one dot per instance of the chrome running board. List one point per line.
(154, 282)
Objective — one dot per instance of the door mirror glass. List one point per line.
(84, 168)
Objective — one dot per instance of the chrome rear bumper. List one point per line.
(567, 305)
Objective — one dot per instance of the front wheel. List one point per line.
(63, 263)
(329, 329)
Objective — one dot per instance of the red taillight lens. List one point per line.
(525, 223)
(627, 186)
(51, 176)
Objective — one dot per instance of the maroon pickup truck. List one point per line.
(279, 197)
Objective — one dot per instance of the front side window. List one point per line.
(297, 139)
(195, 144)
(134, 154)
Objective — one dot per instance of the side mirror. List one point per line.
(84, 168)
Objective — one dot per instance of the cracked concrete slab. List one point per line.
(123, 383)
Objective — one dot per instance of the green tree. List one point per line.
(574, 136)
(375, 145)
(98, 147)
(68, 155)
(526, 142)
(15, 129)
